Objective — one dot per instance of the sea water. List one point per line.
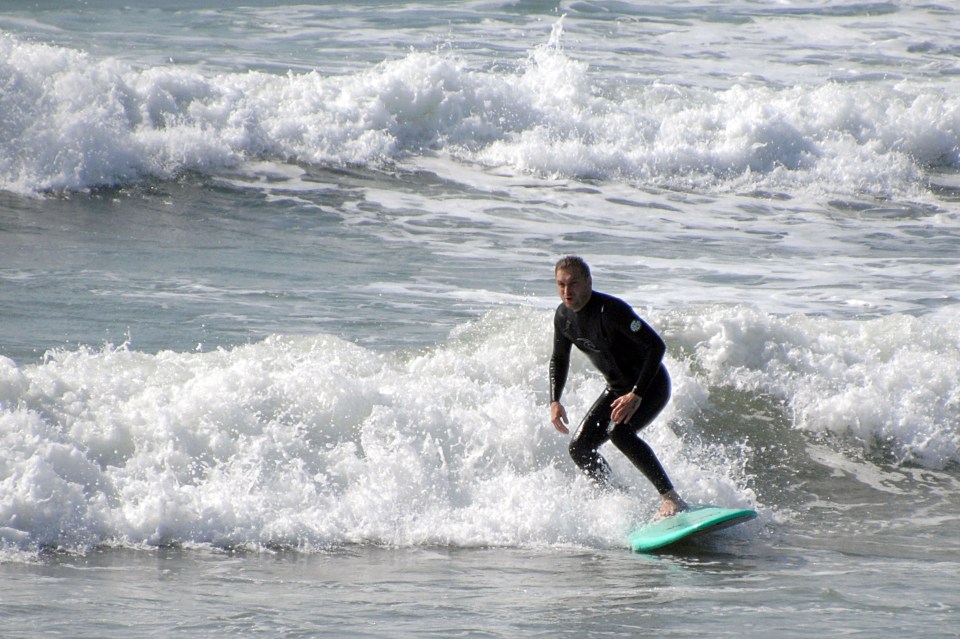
(276, 296)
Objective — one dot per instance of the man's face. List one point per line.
(574, 289)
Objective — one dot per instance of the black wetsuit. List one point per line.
(629, 354)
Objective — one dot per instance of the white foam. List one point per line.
(891, 382)
(76, 122)
(314, 442)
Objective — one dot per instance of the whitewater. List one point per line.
(276, 298)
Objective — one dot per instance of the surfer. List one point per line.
(629, 354)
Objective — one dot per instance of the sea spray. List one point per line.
(75, 122)
(315, 442)
(890, 383)
(310, 442)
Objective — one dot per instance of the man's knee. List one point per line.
(582, 455)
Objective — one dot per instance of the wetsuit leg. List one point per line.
(590, 436)
(626, 436)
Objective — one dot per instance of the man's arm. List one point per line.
(656, 349)
(652, 348)
(559, 367)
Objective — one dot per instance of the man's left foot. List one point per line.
(670, 505)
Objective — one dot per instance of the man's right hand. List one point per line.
(558, 417)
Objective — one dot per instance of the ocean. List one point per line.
(276, 293)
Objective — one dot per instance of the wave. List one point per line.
(891, 383)
(312, 442)
(74, 122)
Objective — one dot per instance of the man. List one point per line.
(629, 354)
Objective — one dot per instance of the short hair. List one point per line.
(573, 263)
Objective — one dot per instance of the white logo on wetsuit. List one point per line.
(636, 325)
(587, 344)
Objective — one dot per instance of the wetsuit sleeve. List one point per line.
(559, 362)
(649, 345)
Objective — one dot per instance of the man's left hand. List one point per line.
(624, 407)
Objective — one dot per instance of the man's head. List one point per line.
(574, 283)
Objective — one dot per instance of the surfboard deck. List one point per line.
(689, 523)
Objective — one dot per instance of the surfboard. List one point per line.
(689, 523)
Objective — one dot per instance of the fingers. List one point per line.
(623, 414)
(558, 417)
(624, 407)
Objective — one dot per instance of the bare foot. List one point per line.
(670, 505)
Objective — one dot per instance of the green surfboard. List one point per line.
(696, 521)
